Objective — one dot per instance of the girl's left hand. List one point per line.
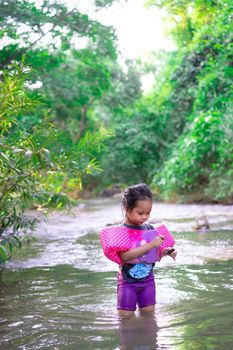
(172, 253)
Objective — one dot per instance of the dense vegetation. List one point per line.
(64, 98)
(48, 138)
(179, 136)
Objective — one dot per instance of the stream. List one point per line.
(59, 292)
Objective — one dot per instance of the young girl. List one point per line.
(136, 285)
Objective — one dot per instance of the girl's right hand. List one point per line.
(157, 241)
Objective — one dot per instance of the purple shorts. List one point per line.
(131, 294)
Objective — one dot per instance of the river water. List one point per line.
(60, 291)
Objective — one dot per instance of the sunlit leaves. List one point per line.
(30, 27)
(12, 98)
(38, 163)
(182, 131)
(186, 18)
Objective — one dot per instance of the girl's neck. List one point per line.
(126, 222)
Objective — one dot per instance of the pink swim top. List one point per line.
(117, 239)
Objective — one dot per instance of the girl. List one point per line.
(136, 285)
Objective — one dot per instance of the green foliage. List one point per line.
(191, 161)
(125, 89)
(199, 163)
(32, 29)
(185, 18)
(67, 79)
(113, 108)
(45, 35)
(13, 100)
(136, 148)
(71, 89)
(35, 162)
(178, 137)
(104, 3)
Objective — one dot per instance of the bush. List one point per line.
(37, 164)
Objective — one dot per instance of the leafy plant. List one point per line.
(32, 161)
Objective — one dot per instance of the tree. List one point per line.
(67, 79)
(178, 136)
(184, 18)
(197, 164)
(45, 36)
(34, 162)
(28, 28)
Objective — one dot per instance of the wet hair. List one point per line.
(135, 193)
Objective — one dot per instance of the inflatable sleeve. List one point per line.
(117, 239)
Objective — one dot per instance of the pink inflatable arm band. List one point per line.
(117, 239)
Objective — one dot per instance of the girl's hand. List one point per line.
(172, 253)
(157, 241)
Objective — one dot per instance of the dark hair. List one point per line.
(134, 193)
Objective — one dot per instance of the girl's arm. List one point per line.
(143, 249)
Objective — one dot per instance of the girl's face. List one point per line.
(139, 214)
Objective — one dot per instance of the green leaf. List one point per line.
(3, 254)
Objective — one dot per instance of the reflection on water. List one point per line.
(60, 293)
(138, 333)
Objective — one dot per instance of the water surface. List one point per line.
(60, 291)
